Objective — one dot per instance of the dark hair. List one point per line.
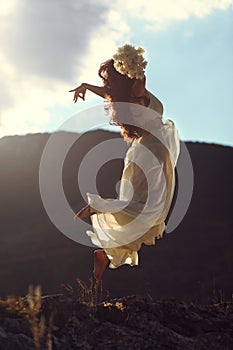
(119, 89)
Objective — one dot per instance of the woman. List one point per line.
(147, 183)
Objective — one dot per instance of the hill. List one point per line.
(131, 322)
(194, 262)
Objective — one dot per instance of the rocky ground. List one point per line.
(132, 322)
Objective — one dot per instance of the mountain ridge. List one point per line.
(197, 254)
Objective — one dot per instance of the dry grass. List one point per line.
(30, 307)
(90, 294)
(37, 319)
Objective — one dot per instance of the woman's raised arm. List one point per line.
(80, 91)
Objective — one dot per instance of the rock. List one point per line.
(126, 323)
(20, 342)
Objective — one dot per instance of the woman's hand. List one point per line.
(84, 213)
(80, 91)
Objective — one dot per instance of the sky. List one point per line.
(50, 47)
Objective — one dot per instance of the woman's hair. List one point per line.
(119, 88)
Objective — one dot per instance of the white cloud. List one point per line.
(49, 38)
(48, 47)
(157, 14)
(28, 114)
(7, 7)
(42, 46)
(103, 44)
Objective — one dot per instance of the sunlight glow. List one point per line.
(6, 7)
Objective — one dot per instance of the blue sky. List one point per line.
(193, 75)
(61, 44)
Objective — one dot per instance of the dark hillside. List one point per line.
(194, 262)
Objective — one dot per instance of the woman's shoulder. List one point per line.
(155, 103)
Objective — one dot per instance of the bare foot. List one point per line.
(100, 262)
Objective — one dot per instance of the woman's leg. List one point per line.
(100, 263)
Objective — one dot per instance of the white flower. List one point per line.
(130, 61)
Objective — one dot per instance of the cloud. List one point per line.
(47, 47)
(157, 14)
(50, 38)
(42, 47)
(104, 43)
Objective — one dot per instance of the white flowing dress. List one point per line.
(122, 225)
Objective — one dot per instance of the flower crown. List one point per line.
(130, 61)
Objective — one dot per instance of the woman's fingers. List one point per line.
(83, 213)
(77, 94)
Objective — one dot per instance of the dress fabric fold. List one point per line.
(122, 225)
